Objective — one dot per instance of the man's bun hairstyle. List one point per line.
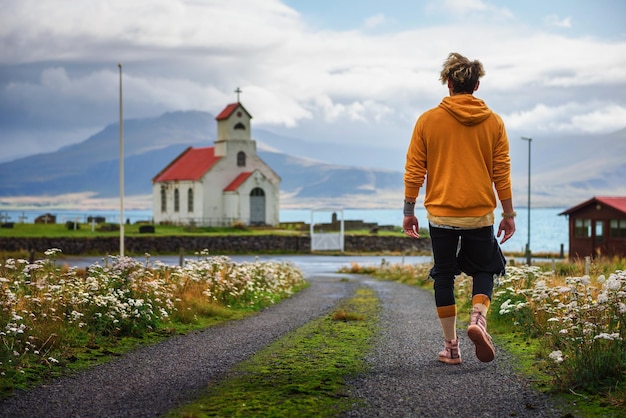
(462, 72)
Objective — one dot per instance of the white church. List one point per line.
(220, 185)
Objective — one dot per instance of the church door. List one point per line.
(257, 206)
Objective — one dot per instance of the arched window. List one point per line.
(241, 159)
(176, 200)
(190, 200)
(240, 126)
(257, 191)
(163, 200)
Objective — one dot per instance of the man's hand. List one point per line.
(411, 226)
(506, 229)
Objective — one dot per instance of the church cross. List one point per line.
(238, 91)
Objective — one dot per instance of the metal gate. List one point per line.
(325, 241)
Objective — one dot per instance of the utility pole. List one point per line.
(121, 169)
(528, 253)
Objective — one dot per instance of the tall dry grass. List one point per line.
(47, 310)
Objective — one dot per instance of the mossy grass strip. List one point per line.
(303, 373)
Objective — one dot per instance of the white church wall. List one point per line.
(232, 205)
(258, 179)
(182, 215)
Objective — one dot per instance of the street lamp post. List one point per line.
(121, 169)
(528, 253)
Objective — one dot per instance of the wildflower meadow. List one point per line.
(48, 310)
(579, 322)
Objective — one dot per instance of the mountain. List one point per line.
(150, 144)
(565, 170)
(570, 169)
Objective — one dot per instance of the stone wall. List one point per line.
(227, 244)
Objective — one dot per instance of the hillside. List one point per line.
(565, 170)
(150, 144)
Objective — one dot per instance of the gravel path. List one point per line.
(405, 380)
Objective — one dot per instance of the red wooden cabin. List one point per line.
(597, 227)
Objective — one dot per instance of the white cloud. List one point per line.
(184, 54)
(608, 118)
(374, 21)
(473, 8)
(556, 21)
(464, 6)
(79, 30)
(575, 118)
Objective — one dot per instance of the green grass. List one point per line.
(99, 230)
(85, 230)
(303, 373)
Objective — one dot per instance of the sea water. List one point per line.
(548, 229)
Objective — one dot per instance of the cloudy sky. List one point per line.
(355, 71)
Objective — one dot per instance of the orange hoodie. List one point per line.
(461, 148)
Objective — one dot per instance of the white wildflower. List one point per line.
(607, 336)
(52, 251)
(613, 283)
(556, 356)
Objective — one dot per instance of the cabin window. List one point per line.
(241, 159)
(176, 200)
(617, 228)
(163, 200)
(582, 228)
(190, 200)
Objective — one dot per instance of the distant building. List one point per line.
(597, 227)
(46, 218)
(220, 185)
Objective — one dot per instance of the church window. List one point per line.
(240, 125)
(163, 200)
(176, 200)
(190, 200)
(257, 191)
(241, 159)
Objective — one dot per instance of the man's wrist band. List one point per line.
(509, 215)
(409, 208)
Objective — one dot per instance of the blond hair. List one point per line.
(462, 72)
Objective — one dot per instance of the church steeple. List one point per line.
(234, 128)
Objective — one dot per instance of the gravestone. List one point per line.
(146, 229)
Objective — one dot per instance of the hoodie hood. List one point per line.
(466, 108)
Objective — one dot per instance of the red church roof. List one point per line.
(234, 185)
(228, 110)
(190, 165)
(616, 202)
